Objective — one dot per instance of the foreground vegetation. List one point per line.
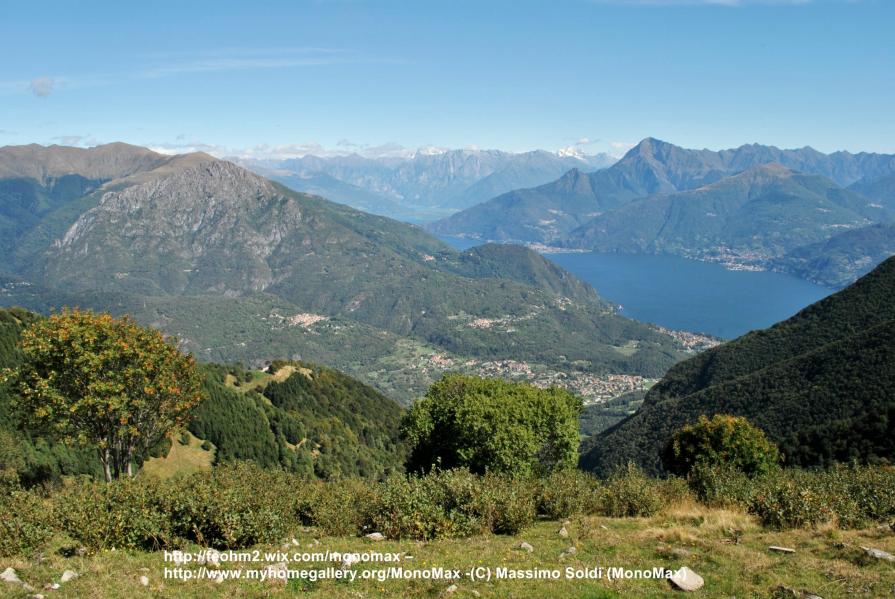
(449, 519)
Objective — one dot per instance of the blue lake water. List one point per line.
(687, 294)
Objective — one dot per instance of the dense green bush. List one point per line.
(720, 486)
(721, 440)
(507, 504)
(235, 506)
(442, 504)
(781, 502)
(124, 514)
(339, 507)
(565, 493)
(492, 425)
(24, 526)
(629, 493)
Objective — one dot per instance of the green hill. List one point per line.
(751, 218)
(303, 417)
(843, 258)
(819, 384)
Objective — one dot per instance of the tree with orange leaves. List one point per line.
(105, 382)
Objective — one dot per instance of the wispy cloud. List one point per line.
(169, 64)
(242, 60)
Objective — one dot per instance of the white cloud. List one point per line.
(42, 86)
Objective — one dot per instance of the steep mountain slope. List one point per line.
(820, 384)
(424, 185)
(750, 218)
(44, 189)
(546, 213)
(881, 190)
(843, 258)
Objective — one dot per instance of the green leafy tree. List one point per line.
(492, 425)
(722, 440)
(104, 382)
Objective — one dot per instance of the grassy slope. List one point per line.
(828, 562)
(181, 459)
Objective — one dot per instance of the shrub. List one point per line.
(23, 518)
(721, 441)
(339, 507)
(507, 504)
(568, 492)
(123, 514)
(441, 504)
(234, 506)
(629, 493)
(720, 486)
(782, 502)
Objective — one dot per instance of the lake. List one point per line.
(687, 294)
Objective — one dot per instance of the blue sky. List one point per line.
(281, 78)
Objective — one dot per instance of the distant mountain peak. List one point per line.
(649, 147)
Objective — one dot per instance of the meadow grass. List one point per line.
(727, 547)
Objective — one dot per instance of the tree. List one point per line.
(492, 425)
(723, 440)
(104, 382)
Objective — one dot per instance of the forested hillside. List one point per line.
(819, 384)
(302, 417)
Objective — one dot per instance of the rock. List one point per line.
(38, 596)
(212, 557)
(28, 588)
(11, 576)
(687, 580)
(526, 547)
(144, 580)
(563, 532)
(295, 542)
(570, 551)
(781, 549)
(375, 536)
(451, 589)
(67, 576)
(349, 559)
(681, 552)
(879, 554)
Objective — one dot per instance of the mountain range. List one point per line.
(425, 184)
(819, 384)
(748, 207)
(242, 268)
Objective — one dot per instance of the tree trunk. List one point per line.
(105, 457)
